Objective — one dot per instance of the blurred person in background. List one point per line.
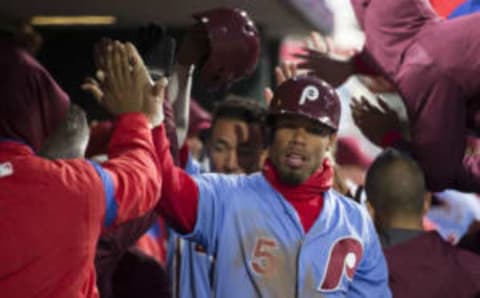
(397, 193)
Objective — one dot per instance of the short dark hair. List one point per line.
(240, 108)
(243, 109)
(67, 139)
(395, 185)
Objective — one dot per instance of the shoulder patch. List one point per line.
(6, 169)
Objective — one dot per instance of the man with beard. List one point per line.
(281, 232)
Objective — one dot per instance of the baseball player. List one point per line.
(236, 144)
(53, 211)
(281, 232)
(433, 64)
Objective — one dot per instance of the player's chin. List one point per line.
(292, 177)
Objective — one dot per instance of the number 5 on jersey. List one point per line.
(263, 260)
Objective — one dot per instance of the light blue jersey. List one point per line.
(188, 263)
(190, 268)
(262, 250)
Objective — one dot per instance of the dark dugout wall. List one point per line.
(67, 52)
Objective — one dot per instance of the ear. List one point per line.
(427, 202)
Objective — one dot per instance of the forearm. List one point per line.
(132, 167)
(179, 199)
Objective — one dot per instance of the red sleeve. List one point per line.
(100, 135)
(179, 203)
(132, 166)
(184, 155)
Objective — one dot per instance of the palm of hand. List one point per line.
(373, 122)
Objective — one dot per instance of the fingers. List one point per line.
(383, 104)
(268, 95)
(305, 65)
(315, 41)
(100, 49)
(120, 71)
(356, 108)
(367, 105)
(91, 86)
(330, 45)
(293, 69)
(320, 43)
(134, 57)
(100, 75)
(159, 88)
(310, 54)
(109, 72)
(355, 103)
(126, 68)
(279, 75)
(286, 70)
(361, 107)
(140, 71)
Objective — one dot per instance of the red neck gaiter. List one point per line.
(307, 198)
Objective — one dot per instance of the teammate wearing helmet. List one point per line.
(281, 232)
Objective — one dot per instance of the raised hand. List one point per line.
(123, 81)
(326, 61)
(283, 72)
(92, 86)
(122, 75)
(376, 122)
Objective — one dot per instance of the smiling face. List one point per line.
(298, 148)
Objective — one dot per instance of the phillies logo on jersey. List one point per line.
(343, 260)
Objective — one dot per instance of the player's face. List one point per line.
(299, 147)
(234, 147)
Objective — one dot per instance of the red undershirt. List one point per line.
(179, 202)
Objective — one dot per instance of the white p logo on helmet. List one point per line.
(309, 93)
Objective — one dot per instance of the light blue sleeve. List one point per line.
(371, 278)
(214, 191)
(192, 167)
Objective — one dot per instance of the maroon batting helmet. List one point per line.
(234, 44)
(309, 97)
